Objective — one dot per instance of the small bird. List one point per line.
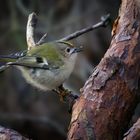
(45, 66)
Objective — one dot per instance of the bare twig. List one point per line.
(103, 23)
(31, 24)
(42, 39)
(32, 20)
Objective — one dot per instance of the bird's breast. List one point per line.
(47, 79)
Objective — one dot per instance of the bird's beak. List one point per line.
(77, 50)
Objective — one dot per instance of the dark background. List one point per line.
(31, 112)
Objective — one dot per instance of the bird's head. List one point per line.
(67, 49)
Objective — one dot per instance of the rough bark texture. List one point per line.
(109, 96)
(134, 132)
(9, 134)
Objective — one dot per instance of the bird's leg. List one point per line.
(63, 93)
(66, 96)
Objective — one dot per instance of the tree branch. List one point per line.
(31, 24)
(42, 39)
(9, 134)
(103, 23)
(32, 21)
(109, 96)
(134, 132)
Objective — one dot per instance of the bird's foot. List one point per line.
(66, 96)
(63, 93)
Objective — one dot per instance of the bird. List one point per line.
(45, 66)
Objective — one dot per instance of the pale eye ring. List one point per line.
(68, 50)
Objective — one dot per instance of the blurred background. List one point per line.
(33, 113)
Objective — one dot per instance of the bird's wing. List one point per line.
(12, 57)
(33, 62)
(15, 55)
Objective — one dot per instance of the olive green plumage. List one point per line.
(47, 50)
(45, 66)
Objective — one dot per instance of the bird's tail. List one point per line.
(4, 60)
(4, 67)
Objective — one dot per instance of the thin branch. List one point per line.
(134, 132)
(42, 39)
(31, 24)
(103, 23)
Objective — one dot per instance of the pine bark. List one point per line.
(109, 96)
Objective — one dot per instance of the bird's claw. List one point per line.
(63, 93)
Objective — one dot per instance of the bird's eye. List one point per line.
(68, 50)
